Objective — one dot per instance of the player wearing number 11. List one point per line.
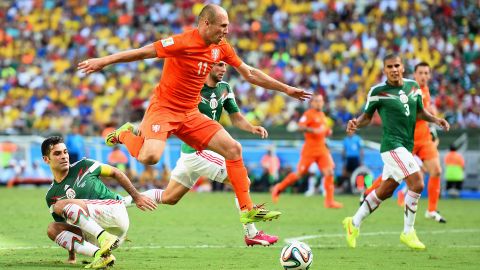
(173, 107)
(399, 103)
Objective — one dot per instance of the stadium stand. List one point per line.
(331, 47)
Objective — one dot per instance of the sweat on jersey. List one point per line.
(397, 107)
(213, 101)
(81, 182)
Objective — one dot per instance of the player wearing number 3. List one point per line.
(173, 107)
(399, 103)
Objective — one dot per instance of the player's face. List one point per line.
(422, 75)
(317, 102)
(218, 70)
(58, 159)
(218, 29)
(393, 69)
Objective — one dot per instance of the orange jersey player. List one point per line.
(173, 107)
(313, 123)
(425, 146)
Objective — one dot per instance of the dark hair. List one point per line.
(391, 56)
(207, 12)
(49, 142)
(421, 64)
(453, 147)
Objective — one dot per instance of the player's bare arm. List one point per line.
(239, 121)
(257, 77)
(318, 130)
(142, 201)
(95, 64)
(354, 124)
(423, 114)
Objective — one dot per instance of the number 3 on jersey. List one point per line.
(407, 109)
(204, 65)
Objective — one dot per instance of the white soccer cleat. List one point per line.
(435, 215)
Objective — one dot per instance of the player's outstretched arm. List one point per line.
(423, 114)
(239, 121)
(95, 64)
(142, 201)
(354, 124)
(257, 77)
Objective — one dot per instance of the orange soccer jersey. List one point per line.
(314, 149)
(188, 61)
(314, 143)
(173, 106)
(423, 144)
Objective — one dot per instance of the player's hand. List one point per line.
(145, 203)
(298, 93)
(91, 65)
(443, 124)
(260, 131)
(352, 126)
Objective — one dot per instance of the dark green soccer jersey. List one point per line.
(397, 106)
(214, 100)
(81, 182)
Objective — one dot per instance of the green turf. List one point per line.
(203, 232)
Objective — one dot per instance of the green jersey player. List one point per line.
(89, 218)
(216, 95)
(399, 104)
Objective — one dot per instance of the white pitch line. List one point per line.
(300, 238)
(334, 235)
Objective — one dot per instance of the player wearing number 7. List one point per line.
(173, 107)
(399, 104)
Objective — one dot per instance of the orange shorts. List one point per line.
(425, 150)
(192, 127)
(324, 161)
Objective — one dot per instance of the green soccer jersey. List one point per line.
(397, 106)
(81, 182)
(214, 100)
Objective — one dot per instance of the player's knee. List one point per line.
(234, 151)
(149, 158)
(436, 171)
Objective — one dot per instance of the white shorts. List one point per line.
(111, 215)
(398, 164)
(201, 163)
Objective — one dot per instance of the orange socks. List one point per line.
(133, 142)
(433, 193)
(329, 188)
(374, 185)
(237, 173)
(288, 181)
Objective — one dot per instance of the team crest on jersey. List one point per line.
(215, 54)
(155, 128)
(403, 97)
(69, 192)
(213, 102)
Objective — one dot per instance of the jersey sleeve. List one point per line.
(230, 104)
(169, 47)
(419, 94)
(94, 167)
(230, 56)
(372, 103)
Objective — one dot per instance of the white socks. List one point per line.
(249, 229)
(75, 215)
(369, 205)
(411, 205)
(73, 242)
(154, 194)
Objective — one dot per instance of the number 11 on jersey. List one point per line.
(204, 65)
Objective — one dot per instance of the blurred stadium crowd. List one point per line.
(326, 46)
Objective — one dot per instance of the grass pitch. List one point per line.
(203, 232)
